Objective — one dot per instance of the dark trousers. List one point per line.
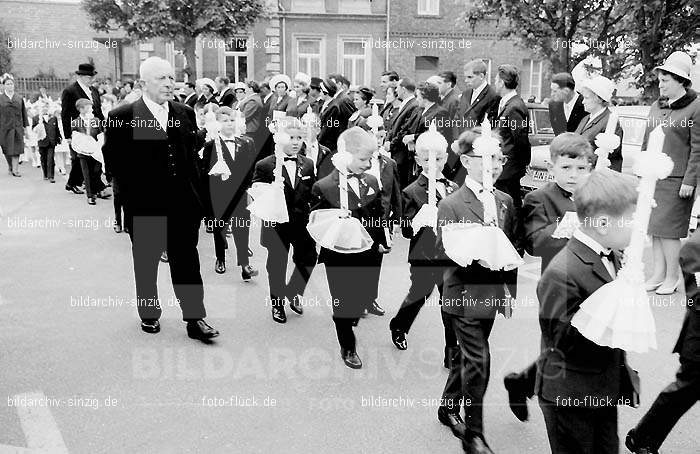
(511, 186)
(671, 404)
(118, 203)
(527, 378)
(150, 236)
(423, 281)
(404, 166)
(348, 275)
(92, 171)
(470, 369)
(375, 269)
(75, 178)
(240, 229)
(581, 430)
(278, 241)
(46, 155)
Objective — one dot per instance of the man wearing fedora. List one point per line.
(81, 88)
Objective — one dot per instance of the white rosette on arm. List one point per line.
(269, 203)
(335, 228)
(618, 314)
(486, 243)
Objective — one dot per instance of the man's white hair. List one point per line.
(149, 65)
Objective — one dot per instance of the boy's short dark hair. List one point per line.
(509, 75)
(449, 76)
(408, 84)
(605, 192)
(82, 102)
(393, 75)
(225, 80)
(255, 86)
(564, 80)
(190, 84)
(465, 141)
(572, 146)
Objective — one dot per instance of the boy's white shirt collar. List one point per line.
(405, 101)
(477, 91)
(569, 106)
(474, 185)
(506, 98)
(590, 242)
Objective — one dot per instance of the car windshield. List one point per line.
(544, 126)
(634, 128)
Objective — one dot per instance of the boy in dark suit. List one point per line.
(425, 270)
(580, 383)
(472, 296)
(386, 172)
(312, 149)
(298, 174)
(348, 274)
(571, 160)
(226, 199)
(87, 124)
(48, 143)
(678, 397)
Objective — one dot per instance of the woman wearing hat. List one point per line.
(678, 111)
(13, 121)
(297, 108)
(280, 84)
(239, 90)
(361, 99)
(207, 88)
(597, 93)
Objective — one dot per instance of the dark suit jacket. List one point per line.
(334, 120)
(391, 190)
(512, 125)
(70, 95)
(421, 250)
(222, 197)
(442, 122)
(227, 97)
(297, 198)
(451, 103)
(191, 100)
(277, 103)
(324, 165)
(470, 115)
(688, 345)
(53, 135)
(474, 291)
(543, 208)
(157, 170)
(254, 114)
(367, 208)
(557, 117)
(571, 365)
(297, 110)
(590, 131)
(404, 123)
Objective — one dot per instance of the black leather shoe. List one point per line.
(220, 266)
(150, 326)
(164, 257)
(475, 444)
(278, 314)
(632, 444)
(198, 329)
(52, 180)
(350, 358)
(517, 397)
(295, 305)
(74, 189)
(103, 195)
(118, 228)
(453, 420)
(376, 309)
(91, 201)
(248, 272)
(398, 337)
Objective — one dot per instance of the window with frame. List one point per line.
(531, 76)
(236, 58)
(355, 61)
(428, 7)
(308, 51)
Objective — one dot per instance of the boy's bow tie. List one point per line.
(442, 180)
(290, 158)
(610, 255)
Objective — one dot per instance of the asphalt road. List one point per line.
(100, 385)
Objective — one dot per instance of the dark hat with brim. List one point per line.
(316, 83)
(86, 69)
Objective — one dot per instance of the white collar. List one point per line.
(405, 101)
(592, 117)
(507, 97)
(447, 93)
(570, 104)
(224, 138)
(152, 106)
(671, 101)
(425, 109)
(85, 88)
(478, 89)
(590, 242)
(438, 175)
(267, 97)
(474, 185)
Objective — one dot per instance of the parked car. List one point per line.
(540, 131)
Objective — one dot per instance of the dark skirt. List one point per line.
(671, 216)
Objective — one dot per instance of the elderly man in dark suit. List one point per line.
(335, 113)
(678, 397)
(81, 88)
(449, 97)
(566, 107)
(151, 149)
(511, 122)
(404, 124)
(472, 296)
(478, 99)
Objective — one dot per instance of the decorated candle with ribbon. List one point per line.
(375, 120)
(607, 142)
(487, 146)
(433, 142)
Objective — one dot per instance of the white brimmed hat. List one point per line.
(280, 78)
(601, 86)
(206, 81)
(240, 86)
(303, 78)
(678, 63)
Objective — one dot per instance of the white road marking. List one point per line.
(39, 427)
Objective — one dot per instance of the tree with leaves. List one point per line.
(5, 53)
(181, 21)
